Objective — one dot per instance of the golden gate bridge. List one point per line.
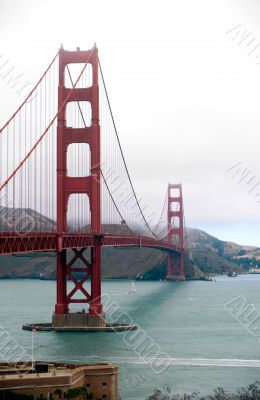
(65, 186)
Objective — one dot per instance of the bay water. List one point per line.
(202, 342)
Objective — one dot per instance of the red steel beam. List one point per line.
(11, 243)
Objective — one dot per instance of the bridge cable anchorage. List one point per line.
(30, 94)
(47, 129)
(85, 125)
(122, 154)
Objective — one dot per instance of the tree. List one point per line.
(252, 392)
(220, 394)
(58, 392)
(79, 393)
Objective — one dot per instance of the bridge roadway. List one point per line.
(12, 243)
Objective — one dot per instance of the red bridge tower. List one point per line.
(175, 231)
(67, 186)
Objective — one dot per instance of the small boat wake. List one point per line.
(201, 362)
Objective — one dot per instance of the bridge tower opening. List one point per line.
(175, 232)
(76, 185)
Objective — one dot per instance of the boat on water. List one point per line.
(133, 289)
(206, 277)
(254, 271)
(232, 274)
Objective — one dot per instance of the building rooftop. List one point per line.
(44, 378)
(44, 369)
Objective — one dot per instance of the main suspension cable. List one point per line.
(85, 125)
(48, 127)
(163, 209)
(122, 154)
(29, 95)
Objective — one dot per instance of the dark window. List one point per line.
(88, 385)
(104, 396)
(104, 383)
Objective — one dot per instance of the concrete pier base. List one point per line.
(78, 319)
(79, 322)
(176, 278)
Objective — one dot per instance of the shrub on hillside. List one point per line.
(252, 392)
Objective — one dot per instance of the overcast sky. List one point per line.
(186, 97)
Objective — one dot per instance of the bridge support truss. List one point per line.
(175, 232)
(66, 186)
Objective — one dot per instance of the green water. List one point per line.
(204, 345)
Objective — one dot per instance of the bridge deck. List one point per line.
(11, 243)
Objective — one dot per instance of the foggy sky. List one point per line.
(185, 96)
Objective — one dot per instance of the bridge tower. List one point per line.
(66, 186)
(175, 231)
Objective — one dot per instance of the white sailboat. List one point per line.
(133, 289)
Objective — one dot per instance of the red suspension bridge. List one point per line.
(65, 186)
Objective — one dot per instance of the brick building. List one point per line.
(100, 379)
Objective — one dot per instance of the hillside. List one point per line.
(117, 263)
(214, 255)
(24, 219)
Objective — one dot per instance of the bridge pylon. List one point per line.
(175, 271)
(82, 265)
(67, 186)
